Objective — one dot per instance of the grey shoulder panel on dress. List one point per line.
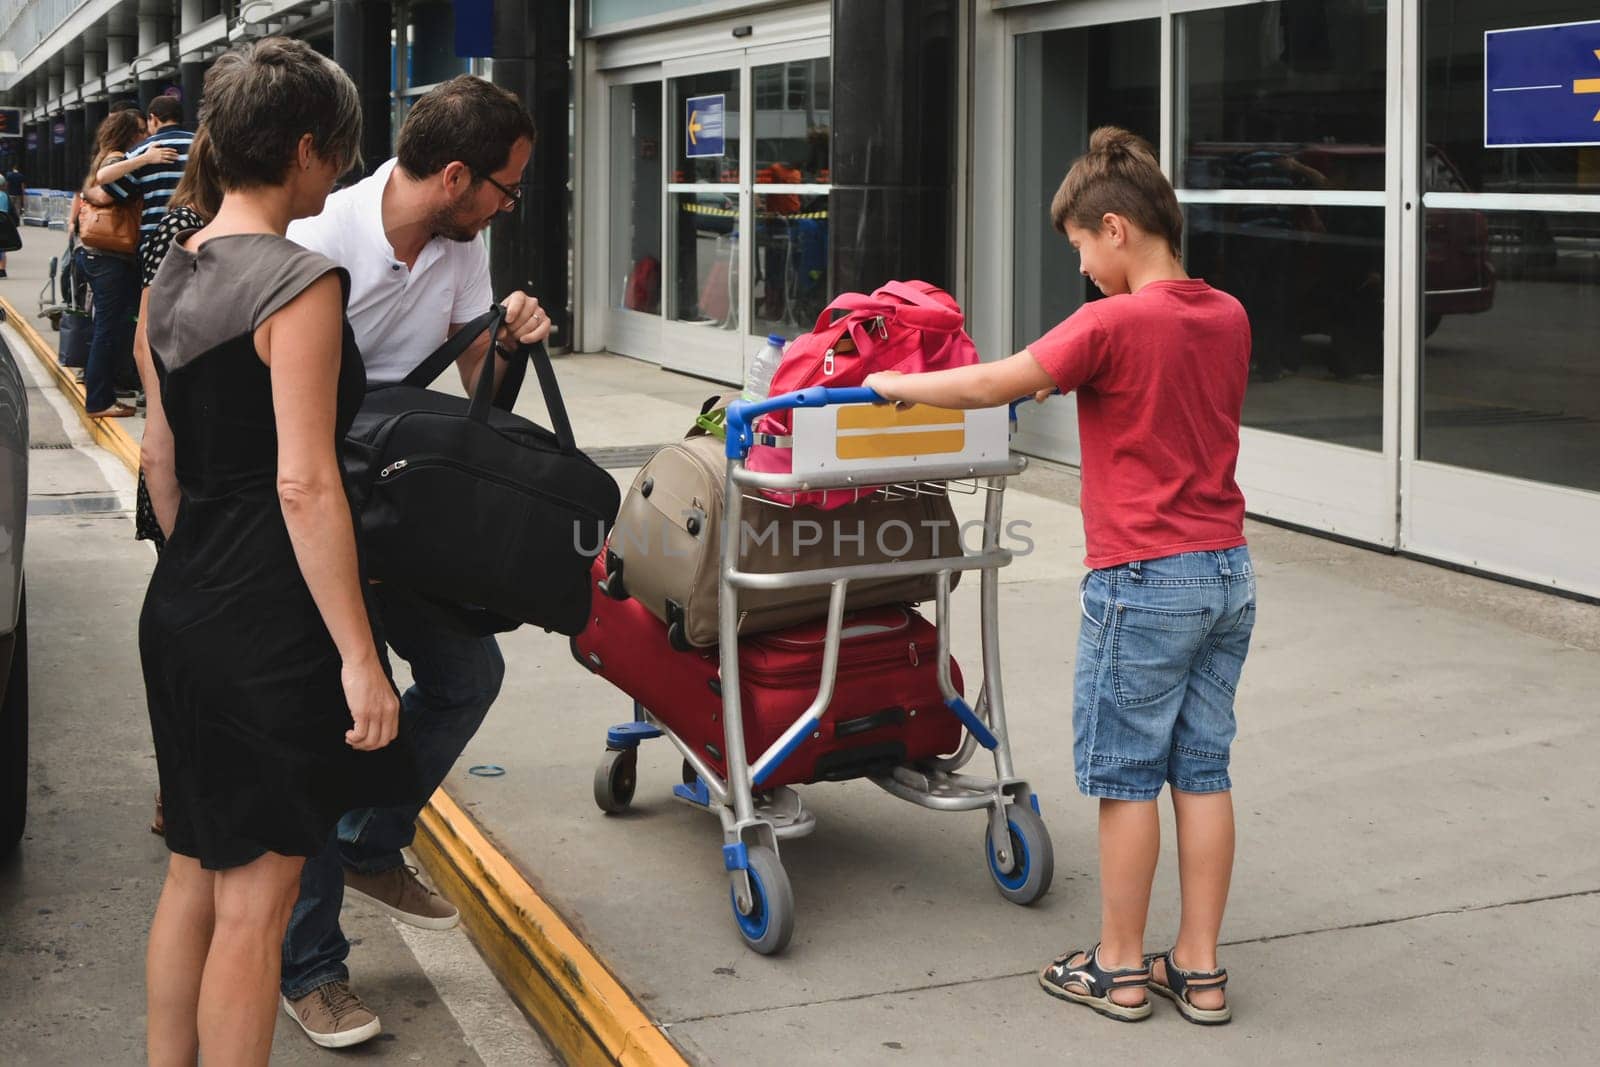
(228, 287)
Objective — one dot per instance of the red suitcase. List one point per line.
(886, 707)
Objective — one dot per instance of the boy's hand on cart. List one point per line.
(884, 383)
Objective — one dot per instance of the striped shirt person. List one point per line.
(155, 185)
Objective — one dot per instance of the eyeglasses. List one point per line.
(513, 195)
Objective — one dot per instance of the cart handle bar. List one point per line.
(742, 414)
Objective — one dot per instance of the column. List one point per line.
(77, 158)
(361, 45)
(94, 113)
(191, 71)
(153, 30)
(893, 210)
(528, 248)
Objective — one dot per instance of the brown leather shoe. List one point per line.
(333, 1016)
(398, 892)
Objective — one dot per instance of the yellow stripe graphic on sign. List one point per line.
(900, 445)
(885, 417)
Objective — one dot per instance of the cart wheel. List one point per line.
(771, 920)
(614, 780)
(1035, 858)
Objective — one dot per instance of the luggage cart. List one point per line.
(845, 439)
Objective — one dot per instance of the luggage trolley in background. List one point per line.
(843, 440)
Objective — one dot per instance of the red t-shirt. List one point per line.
(1160, 376)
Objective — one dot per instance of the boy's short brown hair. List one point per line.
(1119, 175)
(466, 119)
(261, 98)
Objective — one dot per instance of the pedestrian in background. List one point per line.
(113, 276)
(153, 185)
(1160, 368)
(16, 190)
(269, 701)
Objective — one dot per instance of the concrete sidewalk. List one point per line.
(1416, 878)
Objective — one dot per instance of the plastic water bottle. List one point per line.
(759, 378)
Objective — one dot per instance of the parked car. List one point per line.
(13, 602)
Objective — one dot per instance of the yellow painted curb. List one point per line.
(583, 1010)
(106, 432)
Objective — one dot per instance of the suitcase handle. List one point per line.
(867, 723)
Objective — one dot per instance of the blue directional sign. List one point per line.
(703, 125)
(1542, 86)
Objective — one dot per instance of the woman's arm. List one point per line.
(126, 165)
(301, 344)
(155, 448)
(97, 196)
(982, 385)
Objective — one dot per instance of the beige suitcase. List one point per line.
(666, 547)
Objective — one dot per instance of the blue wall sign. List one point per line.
(703, 126)
(1541, 86)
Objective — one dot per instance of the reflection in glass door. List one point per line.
(793, 129)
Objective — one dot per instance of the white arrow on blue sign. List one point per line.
(1542, 86)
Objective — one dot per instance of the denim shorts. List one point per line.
(1160, 649)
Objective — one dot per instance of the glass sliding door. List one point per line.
(718, 216)
(1503, 431)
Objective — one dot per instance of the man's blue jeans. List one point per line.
(114, 281)
(455, 679)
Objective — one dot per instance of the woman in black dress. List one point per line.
(269, 703)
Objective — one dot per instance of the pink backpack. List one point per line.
(904, 326)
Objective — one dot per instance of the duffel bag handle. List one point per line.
(428, 371)
(553, 403)
(485, 395)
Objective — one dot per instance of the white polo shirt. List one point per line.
(399, 315)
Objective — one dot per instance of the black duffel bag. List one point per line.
(490, 519)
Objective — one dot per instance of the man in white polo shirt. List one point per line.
(411, 238)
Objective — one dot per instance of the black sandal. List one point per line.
(1059, 975)
(1180, 983)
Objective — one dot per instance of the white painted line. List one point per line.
(494, 1026)
(1527, 88)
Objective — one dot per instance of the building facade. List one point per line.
(1405, 195)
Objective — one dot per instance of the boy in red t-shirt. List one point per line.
(1160, 368)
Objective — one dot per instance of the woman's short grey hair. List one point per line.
(262, 97)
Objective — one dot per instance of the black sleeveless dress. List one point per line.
(242, 677)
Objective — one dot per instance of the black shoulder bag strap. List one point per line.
(505, 398)
(428, 371)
